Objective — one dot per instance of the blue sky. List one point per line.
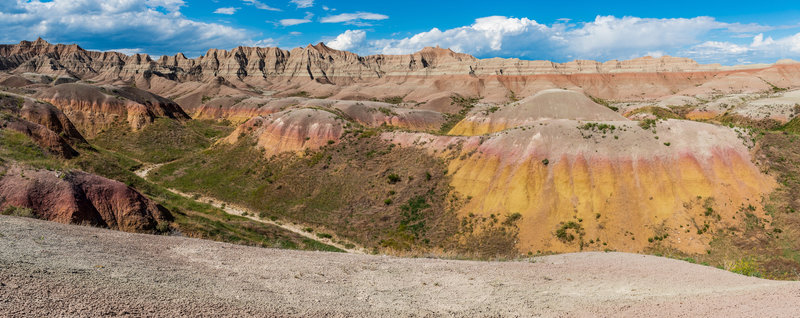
(727, 32)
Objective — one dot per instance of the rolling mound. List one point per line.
(376, 114)
(547, 104)
(240, 108)
(75, 263)
(580, 185)
(79, 198)
(94, 108)
(291, 130)
(14, 81)
(47, 125)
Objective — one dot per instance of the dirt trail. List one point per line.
(299, 229)
(51, 269)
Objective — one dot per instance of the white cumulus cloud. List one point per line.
(303, 3)
(290, 22)
(228, 11)
(348, 40)
(357, 17)
(103, 25)
(761, 49)
(604, 38)
(260, 5)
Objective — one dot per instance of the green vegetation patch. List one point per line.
(604, 103)
(658, 112)
(162, 141)
(342, 187)
(465, 104)
(191, 218)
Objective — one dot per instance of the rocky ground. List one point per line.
(50, 269)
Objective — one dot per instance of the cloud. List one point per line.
(303, 3)
(348, 40)
(103, 25)
(290, 22)
(604, 38)
(228, 11)
(269, 42)
(171, 5)
(489, 35)
(608, 36)
(260, 5)
(353, 18)
(761, 49)
(126, 51)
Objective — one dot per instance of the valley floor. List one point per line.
(50, 269)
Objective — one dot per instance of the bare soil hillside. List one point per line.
(50, 269)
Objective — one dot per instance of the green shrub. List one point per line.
(648, 123)
(745, 266)
(512, 218)
(393, 178)
(563, 232)
(18, 211)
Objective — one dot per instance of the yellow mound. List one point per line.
(547, 104)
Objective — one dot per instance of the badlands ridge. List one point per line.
(577, 156)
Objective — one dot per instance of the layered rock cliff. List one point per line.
(45, 124)
(415, 76)
(95, 108)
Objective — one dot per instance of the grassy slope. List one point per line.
(344, 187)
(162, 141)
(367, 190)
(192, 218)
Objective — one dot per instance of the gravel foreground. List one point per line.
(50, 269)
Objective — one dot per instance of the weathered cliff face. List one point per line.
(581, 175)
(79, 198)
(94, 108)
(292, 130)
(426, 76)
(317, 62)
(44, 123)
(618, 186)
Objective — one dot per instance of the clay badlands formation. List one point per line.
(644, 155)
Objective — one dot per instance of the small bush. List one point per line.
(563, 234)
(324, 235)
(648, 123)
(393, 178)
(746, 266)
(387, 201)
(512, 218)
(18, 211)
(162, 227)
